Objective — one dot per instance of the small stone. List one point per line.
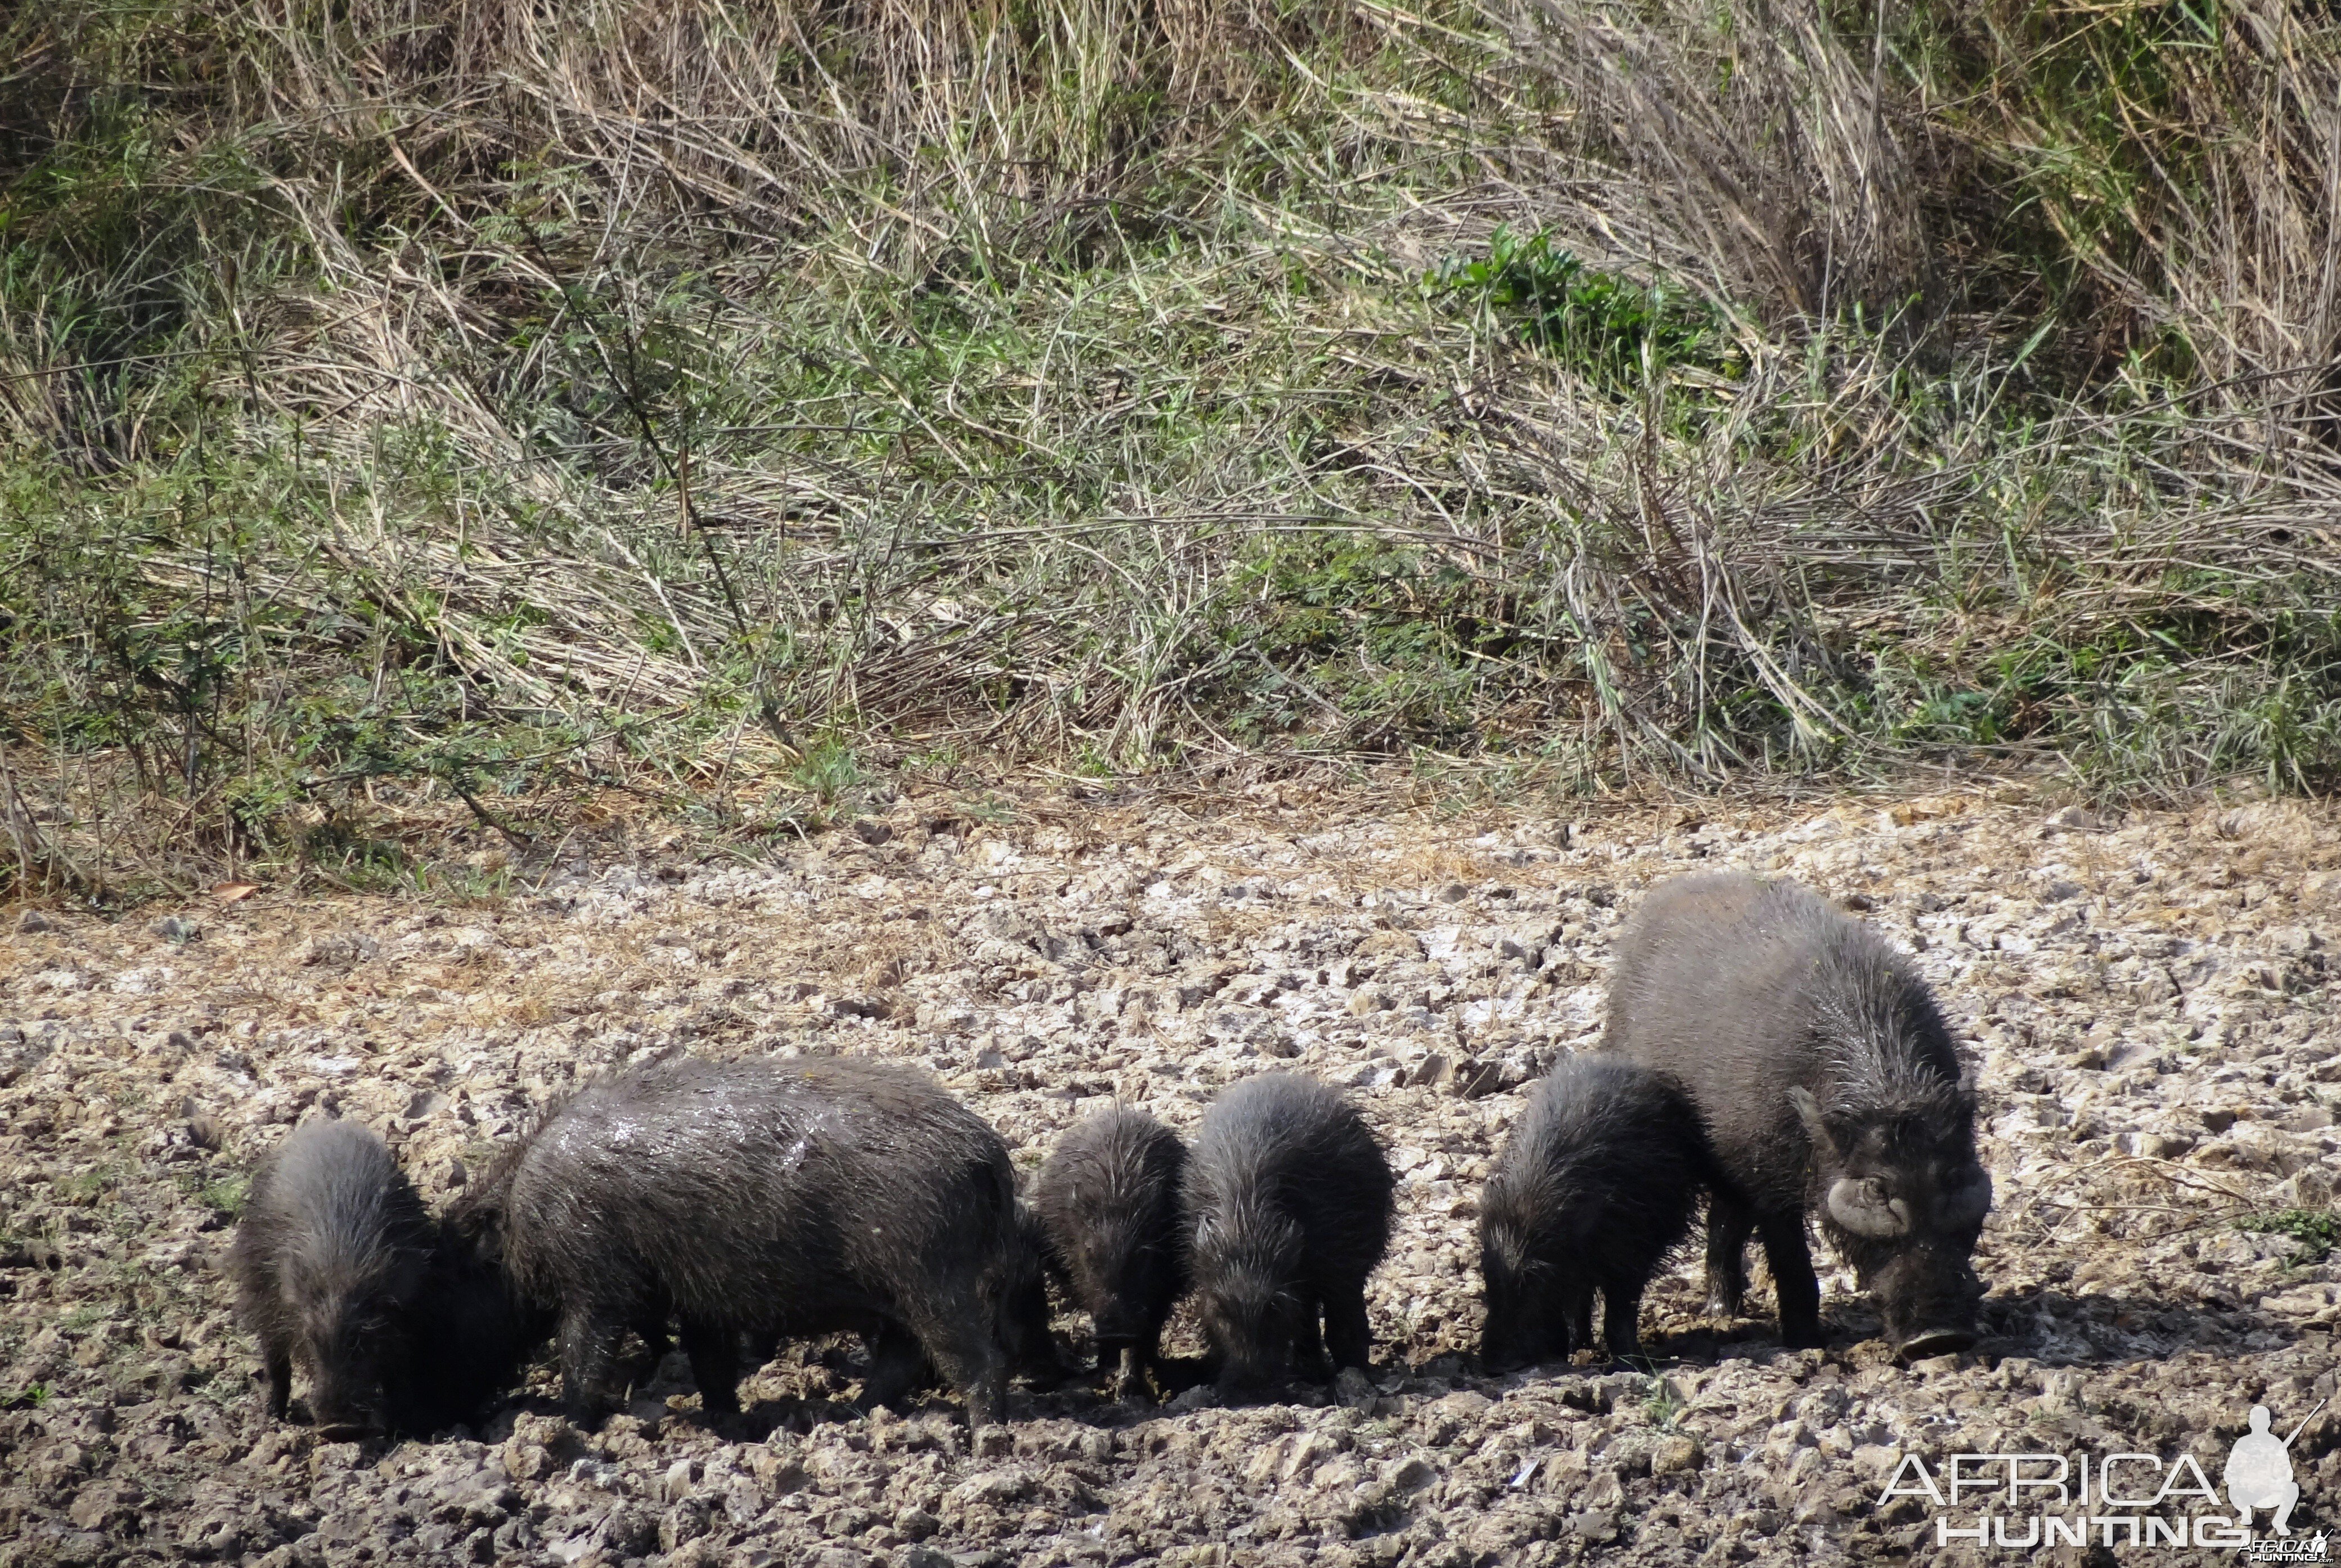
(778, 1474)
(2305, 1189)
(336, 950)
(1595, 1524)
(1454, 892)
(1352, 1389)
(1676, 1453)
(97, 1504)
(32, 920)
(177, 928)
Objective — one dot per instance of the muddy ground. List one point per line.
(2149, 998)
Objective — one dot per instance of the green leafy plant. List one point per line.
(1662, 1403)
(1612, 330)
(227, 1196)
(829, 772)
(2318, 1231)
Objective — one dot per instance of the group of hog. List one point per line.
(1762, 1051)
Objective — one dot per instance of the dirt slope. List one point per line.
(2150, 1001)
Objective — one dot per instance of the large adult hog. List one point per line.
(1108, 1201)
(340, 1270)
(1827, 1080)
(1596, 1187)
(772, 1198)
(1289, 1206)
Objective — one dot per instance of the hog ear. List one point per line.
(1863, 1208)
(1967, 1199)
(1808, 1111)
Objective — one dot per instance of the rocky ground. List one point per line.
(2150, 999)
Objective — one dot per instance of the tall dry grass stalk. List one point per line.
(1749, 145)
(779, 112)
(2197, 185)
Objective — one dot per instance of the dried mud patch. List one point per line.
(2150, 1001)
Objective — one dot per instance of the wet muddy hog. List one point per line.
(1827, 1081)
(340, 1270)
(1024, 1334)
(1288, 1208)
(769, 1199)
(1108, 1201)
(1595, 1189)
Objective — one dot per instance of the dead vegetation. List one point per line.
(463, 412)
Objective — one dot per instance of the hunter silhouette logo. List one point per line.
(2259, 1472)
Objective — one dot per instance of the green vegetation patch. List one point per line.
(2318, 1231)
(399, 453)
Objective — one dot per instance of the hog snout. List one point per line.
(340, 1417)
(1937, 1342)
(1931, 1302)
(1500, 1356)
(1237, 1378)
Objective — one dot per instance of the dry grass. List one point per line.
(460, 413)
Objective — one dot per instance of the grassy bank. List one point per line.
(736, 404)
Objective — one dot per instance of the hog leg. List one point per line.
(1575, 1299)
(1728, 1220)
(1621, 1311)
(1309, 1343)
(588, 1343)
(714, 1351)
(1348, 1335)
(649, 1327)
(276, 1356)
(897, 1366)
(1791, 1258)
(968, 1355)
(1129, 1370)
